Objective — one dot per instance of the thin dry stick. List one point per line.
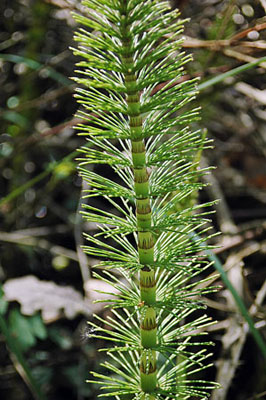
(218, 45)
(78, 229)
(225, 221)
(41, 243)
(241, 57)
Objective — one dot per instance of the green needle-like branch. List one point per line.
(136, 102)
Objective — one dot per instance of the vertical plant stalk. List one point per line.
(147, 283)
(131, 48)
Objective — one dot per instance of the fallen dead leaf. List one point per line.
(45, 296)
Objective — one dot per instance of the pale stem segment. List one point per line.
(148, 327)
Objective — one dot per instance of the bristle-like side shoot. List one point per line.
(134, 101)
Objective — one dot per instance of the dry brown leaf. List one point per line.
(53, 300)
(48, 297)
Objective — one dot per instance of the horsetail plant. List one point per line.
(134, 101)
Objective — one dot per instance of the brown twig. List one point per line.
(226, 223)
(44, 99)
(41, 243)
(78, 229)
(244, 33)
(241, 56)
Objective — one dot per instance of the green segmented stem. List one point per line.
(148, 328)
